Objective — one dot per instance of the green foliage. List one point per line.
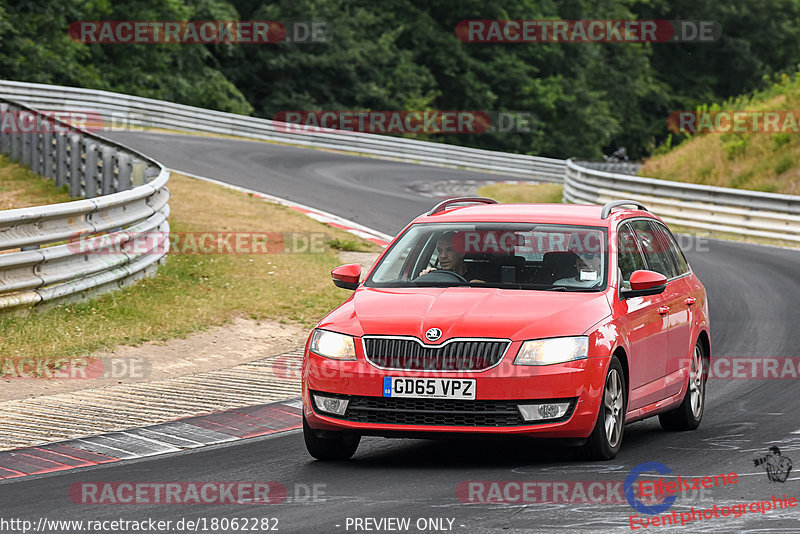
(736, 147)
(703, 173)
(665, 147)
(36, 47)
(587, 99)
(785, 163)
(779, 140)
(740, 180)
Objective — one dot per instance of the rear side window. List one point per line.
(629, 258)
(656, 251)
(675, 253)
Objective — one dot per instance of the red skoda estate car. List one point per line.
(540, 320)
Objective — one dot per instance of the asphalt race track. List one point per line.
(754, 295)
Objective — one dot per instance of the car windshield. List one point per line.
(501, 255)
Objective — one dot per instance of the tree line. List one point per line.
(585, 99)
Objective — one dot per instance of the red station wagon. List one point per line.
(541, 320)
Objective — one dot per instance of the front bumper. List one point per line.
(498, 390)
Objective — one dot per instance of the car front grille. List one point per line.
(409, 354)
(437, 412)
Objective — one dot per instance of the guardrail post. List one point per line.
(137, 174)
(61, 159)
(75, 160)
(90, 171)
(26, 150)
(47, 155)
(16, 145)
(125, 169)
(36, 160)
(107, 184)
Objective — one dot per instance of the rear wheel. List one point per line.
(606, 438)
(329, 448)
(687, 416)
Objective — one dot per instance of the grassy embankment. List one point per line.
(192, 291)
(757, 161)
(508, 193)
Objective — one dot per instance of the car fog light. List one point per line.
(544, 411)
(331, 404)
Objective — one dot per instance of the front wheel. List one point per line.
(687, 416)
(606, 438)
(329, 448)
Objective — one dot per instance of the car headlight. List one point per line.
(553, 350)
(333, 345)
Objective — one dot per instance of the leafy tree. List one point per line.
(587, 99)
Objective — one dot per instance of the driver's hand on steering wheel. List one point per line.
(427, 270)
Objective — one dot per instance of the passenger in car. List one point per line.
(588, 272)
(451, 259)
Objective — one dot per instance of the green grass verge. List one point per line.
(524, 194)
(21, 188)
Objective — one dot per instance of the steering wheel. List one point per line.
(440, 275)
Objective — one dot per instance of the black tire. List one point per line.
(333, 448)
(688, 415)
(613, 404)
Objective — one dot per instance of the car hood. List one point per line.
(468, 312)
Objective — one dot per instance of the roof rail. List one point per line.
(441, 206)
(616, 203)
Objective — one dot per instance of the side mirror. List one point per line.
(645, 283)
(347, 276)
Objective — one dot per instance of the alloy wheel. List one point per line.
(614, 403)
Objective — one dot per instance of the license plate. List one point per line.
(435, 388)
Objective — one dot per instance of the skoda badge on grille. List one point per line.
(433, 334)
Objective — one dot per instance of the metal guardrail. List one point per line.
(146, 112)
(618, 167)
(64, 250)
(699, 207)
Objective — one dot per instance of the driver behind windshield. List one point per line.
(451, 259)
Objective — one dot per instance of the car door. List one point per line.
(681, 343)
(647, 328)
(654, 240)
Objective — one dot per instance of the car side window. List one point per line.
(676, 254)
(629, 258)
(656, 252)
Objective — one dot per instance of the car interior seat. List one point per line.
(557, 265)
